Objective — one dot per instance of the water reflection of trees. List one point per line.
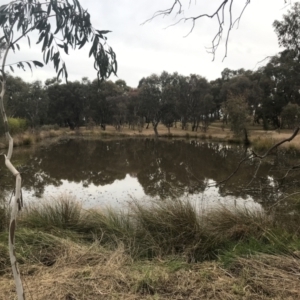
(163, 168)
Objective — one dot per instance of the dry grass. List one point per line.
(62, 212)
(151, 252)
(169, 227)
(216, 132)
(238, 223)
(82, 272)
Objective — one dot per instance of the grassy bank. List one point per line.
(260, 139)
(166, 250)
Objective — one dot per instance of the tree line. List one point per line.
(268, 96)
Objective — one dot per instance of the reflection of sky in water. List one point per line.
(121, 192)
(116, 194)
(211, 198)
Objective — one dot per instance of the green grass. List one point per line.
(163, 228)
(154, 249)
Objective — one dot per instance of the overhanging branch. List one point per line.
(223, 12)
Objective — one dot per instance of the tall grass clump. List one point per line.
(166, 227)
(171, 227)
(66, 213)
(262, 144)
(228, 223)
(108, 226)
(63, 212)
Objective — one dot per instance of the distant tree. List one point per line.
(119, 110)
(151, 101)
(239, 116)
(101, 107)
(71, 27)
(290, 116)
(67, 104)
(288, 30)
(206, 110)
(16, 90)
(122, 85)
(199, 87)
(135, 117)
(35, 104)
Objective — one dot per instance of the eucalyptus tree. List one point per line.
(199, 88)
(67, 104)
(169, 98)
(290, 116)
(239, 115)
(101, 109)
(182, 105)
(60, 25)
(35, 104)
(16, 90)
(151, 101)
(135, 117)
(288, 30)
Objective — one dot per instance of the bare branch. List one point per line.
(236, 169)
(293, 168)
(220, 14)
(255, 174)
(277, 144)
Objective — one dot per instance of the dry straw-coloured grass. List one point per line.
(261, 139)
(157, 251)
(83, 272)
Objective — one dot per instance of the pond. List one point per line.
(115, 172)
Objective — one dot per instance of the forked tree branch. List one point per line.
(254, 155)
(222, 14)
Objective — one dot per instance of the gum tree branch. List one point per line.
(74, 26)
(223, 12)
(254, 155)
(17, 202)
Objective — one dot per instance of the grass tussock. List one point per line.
(63, 212)
(262, 144)
(163, 250)
(170, 227)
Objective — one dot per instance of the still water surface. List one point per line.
(114, 172)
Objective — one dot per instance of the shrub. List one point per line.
(17, 125)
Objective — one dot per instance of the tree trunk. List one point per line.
(155, 129)
(246, 138)
(17, 201)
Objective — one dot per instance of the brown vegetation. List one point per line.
(165, 250)
(260, 139)
(91, 272)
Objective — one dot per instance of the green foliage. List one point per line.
(238, 112)
(63, 213)
(71, 29)
(288, 30)
(17, 125)
(170, 227)
(290, 116)
(34, 247)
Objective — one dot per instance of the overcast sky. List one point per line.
(150, 48)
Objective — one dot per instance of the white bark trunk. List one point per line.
(17, 202)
